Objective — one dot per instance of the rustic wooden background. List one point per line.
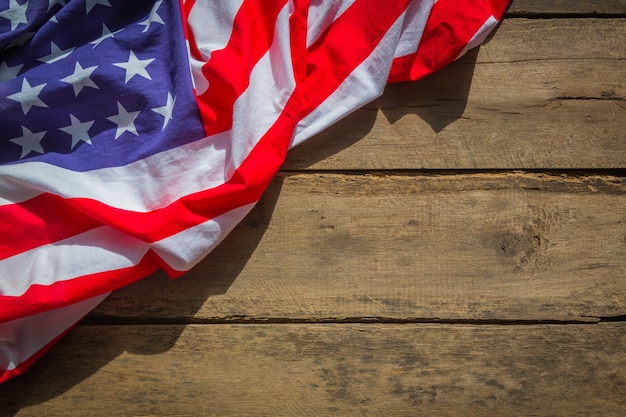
(456, 248)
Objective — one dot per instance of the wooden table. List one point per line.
(456, 248)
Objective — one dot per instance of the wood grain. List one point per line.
(407, 247)
(522, 101)
(402, 291)
(591, 7)
(304, 370)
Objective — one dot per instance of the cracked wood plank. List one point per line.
(327, 247)
(357, 370)
(522, 101)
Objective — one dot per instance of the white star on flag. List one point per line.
(124, 120)
(79, 130)
(135, 66)
(16, 13)
(153, 17)
(166, 111)
(29, 141)
(28, 96)
(106, 34)
(7, 72)
(80, 78)
(93, 3)
(56, 54)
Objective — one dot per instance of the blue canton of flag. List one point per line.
(92, 89)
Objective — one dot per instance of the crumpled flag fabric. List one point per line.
(136, 135)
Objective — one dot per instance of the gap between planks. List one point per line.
(103, 321)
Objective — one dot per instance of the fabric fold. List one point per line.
(132, 130)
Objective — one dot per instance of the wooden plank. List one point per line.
(407, 247)
(586, 7)
(289, 370)
(523, 100)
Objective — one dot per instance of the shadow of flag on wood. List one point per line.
(135, 135)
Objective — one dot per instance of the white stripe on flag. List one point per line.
(363, 85)
(271, 85)
(77, 256)
(212, 25)
(184, 250)
(22, 338)
(322, 14)
(413, 27)
(91, 252)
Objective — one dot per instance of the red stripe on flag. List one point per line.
(40, 298)
(353, 37)
(401, 68)
(44, 219)
(228, 70)
(185, 7)
(450, 27)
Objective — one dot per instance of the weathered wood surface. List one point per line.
(402, 291)
(329, 246)
(564, 7)
(305, 370)
(547, 93)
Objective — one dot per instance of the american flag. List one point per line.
(135, 135)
